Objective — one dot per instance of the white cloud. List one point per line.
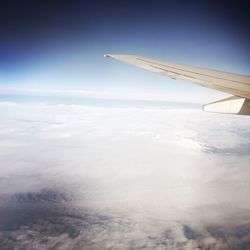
(171, 165)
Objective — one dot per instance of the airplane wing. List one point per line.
(235, 84)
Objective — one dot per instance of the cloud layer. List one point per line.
(75, 177)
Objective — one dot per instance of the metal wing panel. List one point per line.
(235, 84)
(231, 105)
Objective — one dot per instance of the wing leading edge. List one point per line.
(235, 84)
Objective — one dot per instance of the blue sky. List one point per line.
(65, 51)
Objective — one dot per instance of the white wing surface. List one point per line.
(235, 84)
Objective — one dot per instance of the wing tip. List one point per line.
(118, 56)
(107, 55)
(113, 56)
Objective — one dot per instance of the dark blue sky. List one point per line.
(61, 43)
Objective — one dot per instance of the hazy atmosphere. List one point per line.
(96, 154)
